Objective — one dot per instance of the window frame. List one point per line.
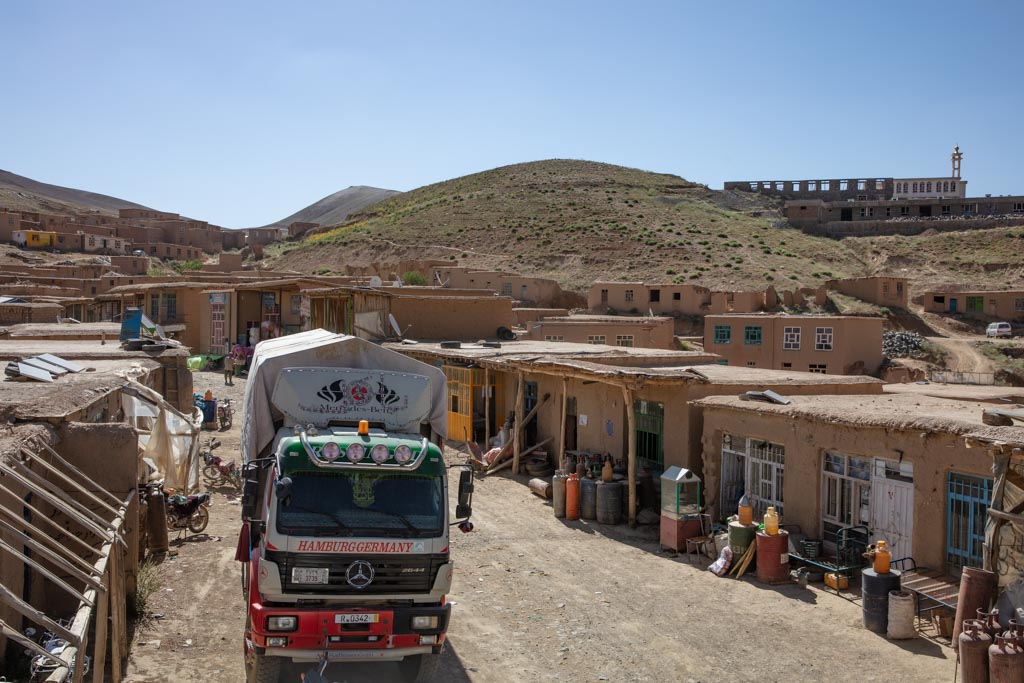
(749, 336)
(791, 338)
(725, 339)
(821, 334)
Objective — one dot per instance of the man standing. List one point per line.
(229, 370)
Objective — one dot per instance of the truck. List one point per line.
(344, 543)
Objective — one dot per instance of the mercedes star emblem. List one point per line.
(359, 574)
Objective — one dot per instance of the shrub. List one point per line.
(185, 266)
(414, 278)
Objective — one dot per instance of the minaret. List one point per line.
(957, 156)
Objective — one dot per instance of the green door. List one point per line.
(650, 439)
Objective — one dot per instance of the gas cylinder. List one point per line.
(1005, 661)
(608, 471)
(1016, 632)
(746, 511)
(208, 395)
(558, 493)
(581, 467)
(771, 522)
(572, 497)
(882, 557)
(973, 646)
(990, 622)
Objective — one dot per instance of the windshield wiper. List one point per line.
(400, 517)
(329, 515)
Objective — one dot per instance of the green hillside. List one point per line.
(580, 221)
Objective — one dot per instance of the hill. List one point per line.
(335, 208)
(581, 221)
(24, 194)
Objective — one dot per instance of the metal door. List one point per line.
(892, 509)
(952, 305)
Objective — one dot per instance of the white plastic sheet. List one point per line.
(167, 436)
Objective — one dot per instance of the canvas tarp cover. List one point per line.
(167, 436)
(320, 348)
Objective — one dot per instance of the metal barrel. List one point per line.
(875, 590)
(772, 557)
(558, 493)
(740, 537)
(977, 588)
(588, 498)
(156, 521)
(609, 502)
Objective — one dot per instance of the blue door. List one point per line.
(952, 305)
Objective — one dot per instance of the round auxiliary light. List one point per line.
(331, 451)
(380, 453)
(403, 454)
(355, 452)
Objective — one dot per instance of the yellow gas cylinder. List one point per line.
(746, 511)
(882, 557)
(771, 522)
(607, 472)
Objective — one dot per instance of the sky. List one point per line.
(243, 112)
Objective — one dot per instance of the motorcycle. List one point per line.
(225, 413)
(218, 472)
(41, 668)
(187, 512)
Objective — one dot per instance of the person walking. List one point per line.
(229, 370)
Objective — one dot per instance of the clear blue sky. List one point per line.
(241, 113)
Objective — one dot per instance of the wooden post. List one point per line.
(627, 396)
(487, 410)
(518, 433)
(114, 587)
(561, 436)
(99, 652)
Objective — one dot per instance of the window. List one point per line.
(677, 296)
(554, 337)
(818, 368)
(945, 186)
(766, 185)
(904, 210)
(967, 499)
(929, 186)
(787, 366)
(976, 304)
(915, 188)
(624, 340)
(939, 299)
(217, 319)
(650, 429)
(862, 185)
(825, 185)
(823, 339)
(812, 185)
(779, 186)
(751, 364)
(752, 335)
(629, 295)
(753, 466)
(899, 288)
(796, 186)
(885, 288)
(880, 184)
(888, 211)
(171, 306)
(945, 209)
(970, 208)
(655, 295)
(596, 339)
(846, 492)
(863, 212)
(844, 185)
(1018, 305)
(154, 307)
(723, 334)
(952, 186)
(791, 338)
(1018, 207)
(604, 296)
(506, 289)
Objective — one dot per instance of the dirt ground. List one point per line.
(541, 599)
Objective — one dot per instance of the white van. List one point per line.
(998, 330)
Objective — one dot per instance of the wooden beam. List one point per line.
(38, 514)
(517, 441)
(21, 557)
(30, 456)
(508, 463)
(627, 397)
(1006, 516)
(116, 615)
(487, 409)
(71, 468)
(55, 545)
(38, 616)
(84, 577)
(18, 637)
(99, 651)
(60, 500)
(560, 451)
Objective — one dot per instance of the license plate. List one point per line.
(310, 575)
(356, 618)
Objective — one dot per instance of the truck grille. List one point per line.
(391, 573)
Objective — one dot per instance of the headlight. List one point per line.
(423, 623)
(403, 454)
(282, 623)
(380, 453)
(331, 451)
(355, 452)
(277, 641)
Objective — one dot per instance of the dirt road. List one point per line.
(541, 599)
(962, 354)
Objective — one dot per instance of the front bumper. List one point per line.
(389, 636)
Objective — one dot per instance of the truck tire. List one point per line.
(262, 669)
(420, 668)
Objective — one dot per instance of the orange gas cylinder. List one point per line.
(208, 395)
(746, 511)
(572, 497)
(883, 557)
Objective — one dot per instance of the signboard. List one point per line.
(218, 297)
(269, 300)
(320, 396)
(296, 300)
(304, 307)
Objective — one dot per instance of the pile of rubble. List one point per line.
(902, 345)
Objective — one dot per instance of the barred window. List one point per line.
(791, 338)
(823, 338)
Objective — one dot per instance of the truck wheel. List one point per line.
(420, 668)
(262, 669)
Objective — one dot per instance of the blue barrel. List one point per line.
(609, 502)
(875, 589)
(210, 410)
(588, 498)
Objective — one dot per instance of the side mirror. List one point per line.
(250, 489)
(284, 490)
(464, 508)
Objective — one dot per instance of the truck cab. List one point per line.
(344, 544)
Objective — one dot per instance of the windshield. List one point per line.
(363, 504)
